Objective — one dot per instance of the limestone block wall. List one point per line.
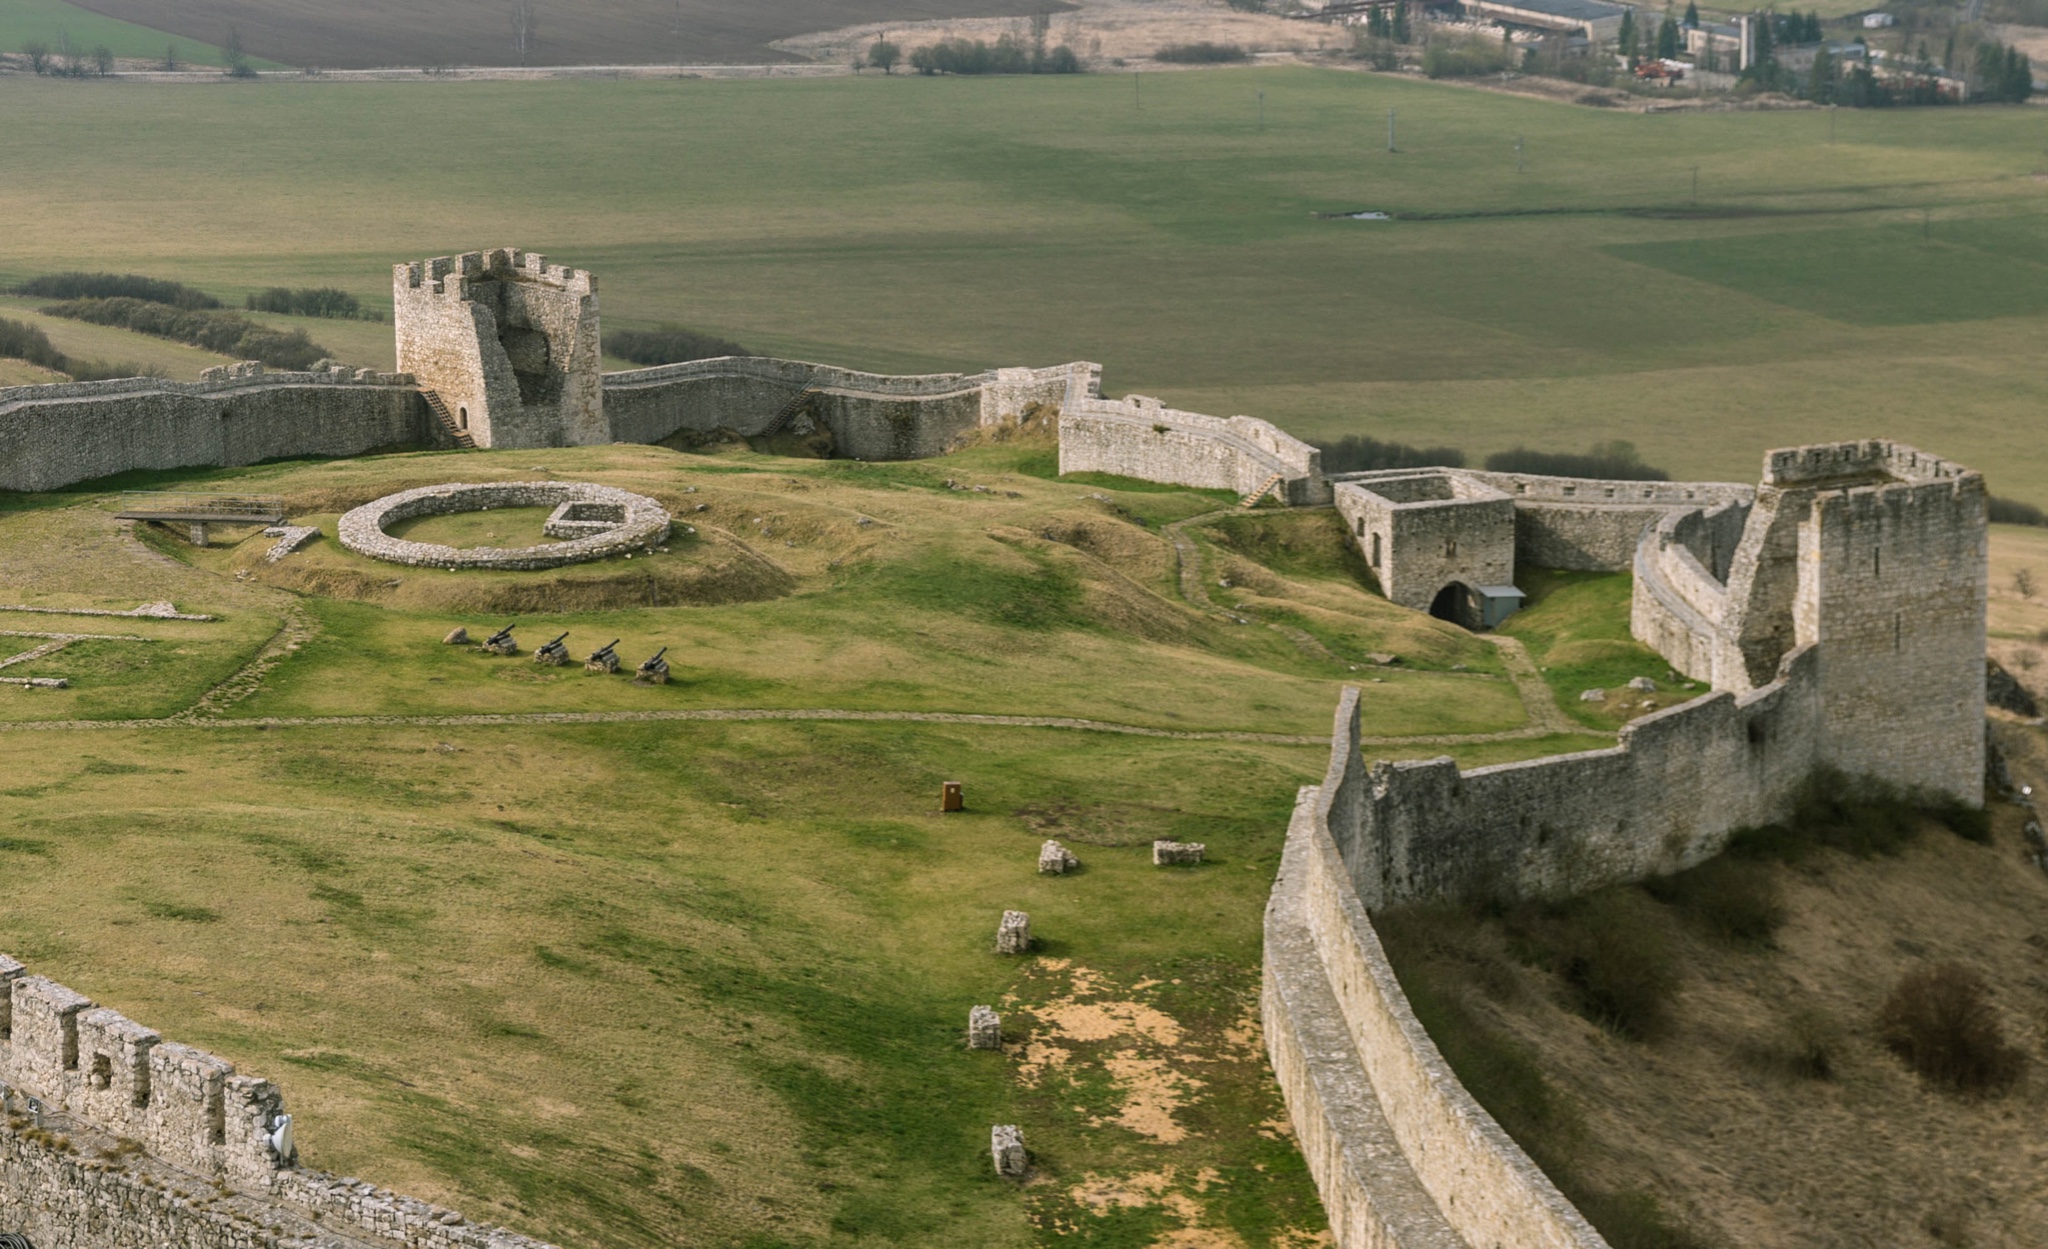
(1140, 437)
(1664, 799)
(509, 342)
(1594, 526)
(1421, 531)
(52, 436)
(871, 416)
(1402, 1155)
(76, 1080)
(1680, 607)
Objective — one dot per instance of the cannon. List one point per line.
(604, 659)
(554, 654)
(654, 671)
(501, 643)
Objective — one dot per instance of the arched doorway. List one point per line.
(1455, 603)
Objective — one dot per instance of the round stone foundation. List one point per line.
(598, 521)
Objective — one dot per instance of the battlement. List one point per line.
(1871, 462)
(500, 264)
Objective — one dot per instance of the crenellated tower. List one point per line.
(508, 343)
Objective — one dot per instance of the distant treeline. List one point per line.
(21, 341)
(2013, 512)
(1611, 461)
(116, 286)
(1355, 454)
(1204, 53)
(1007, 55)
(227, 333)
(670, 344)
(311, 301)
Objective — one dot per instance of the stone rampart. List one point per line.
(113, 1138)
(871, 416)
(1402, 1155)
(1140, 437)
(1594, 526)
(52, 436)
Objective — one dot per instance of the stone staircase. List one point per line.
(1265, 487)
(788, 411)
(439, 407)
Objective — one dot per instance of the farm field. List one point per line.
(477, 32)
(660, 976)
(53, 22)
(1887, 284)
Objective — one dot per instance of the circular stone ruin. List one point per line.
(594, 521)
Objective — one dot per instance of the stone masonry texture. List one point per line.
(76, 1079)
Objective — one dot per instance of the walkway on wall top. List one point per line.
(194, 507)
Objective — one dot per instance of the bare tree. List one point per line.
(525, 26)
(2023, 582)
(38, 54)
(103, 59)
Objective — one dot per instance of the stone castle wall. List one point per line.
(871, 416)
(83, 1089)
(1402, 1155)
(1139, 437)
(52, 436)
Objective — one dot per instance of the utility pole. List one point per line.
(1518, 153)
(1695, 185)
(1831, 125)
(1262, 112)
(1390, 132)
(1137, 99)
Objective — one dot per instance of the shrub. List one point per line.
(1204, 53)
(1467, 56)
(2013, 512)
(1007, 55)
(22, 341)
(223, 332)
(309, 301)
(1733, 899)
(1862, 816)
(1613, 461)
(670, 344)
(1610, 949)
(1354, 453)
(1940, 1021)
(116, 285)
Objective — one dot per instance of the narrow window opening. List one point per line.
(1898, 633)
(1450, 548)
(1375, 550)
(462, 418)
(1877, 563)
(1360, 526)
(102, 1077)
(69, 1046)
(6, 1012)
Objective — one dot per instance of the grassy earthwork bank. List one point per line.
(1887, 283)
(655, 982)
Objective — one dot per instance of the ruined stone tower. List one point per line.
(509, 345)
(1874, 554)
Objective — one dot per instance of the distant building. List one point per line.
(1878, 21)
(1799, 57)
(1594, 20)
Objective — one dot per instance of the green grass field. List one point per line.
(922, 224)
(53, 22)
(647, 982)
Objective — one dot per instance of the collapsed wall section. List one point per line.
(53, 436)
(217, 1167)
(1140, 437)
(871, 416)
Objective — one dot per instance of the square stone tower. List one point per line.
(508, 343)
